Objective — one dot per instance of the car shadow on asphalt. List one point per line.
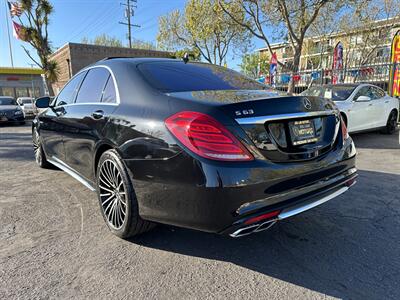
(346, 248)
(376, 140)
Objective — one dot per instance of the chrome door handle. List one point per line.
(98, 114)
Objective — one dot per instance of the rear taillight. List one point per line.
(206, 137)
(345, 133)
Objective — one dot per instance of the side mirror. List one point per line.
(43, 102)
(363, 99)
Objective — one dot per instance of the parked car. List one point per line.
(362, 106)
(193, 145)
(27, 105)
(10, 111)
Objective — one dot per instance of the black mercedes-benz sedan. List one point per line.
(193, 145)
(10, 111)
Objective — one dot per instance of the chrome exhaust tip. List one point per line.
(253, 228)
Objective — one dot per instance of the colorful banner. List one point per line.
(273, 64)
(394, 83)
(337, 65)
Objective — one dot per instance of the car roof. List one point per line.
(118, 61)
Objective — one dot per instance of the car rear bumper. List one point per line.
(321, 194)
(219, 197)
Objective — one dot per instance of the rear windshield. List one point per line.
(171, 77)
(7, 101)
(26, 101)
(335, 93)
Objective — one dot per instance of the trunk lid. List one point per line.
(282, 128)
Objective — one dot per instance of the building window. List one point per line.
(7, 91)
(21, 92)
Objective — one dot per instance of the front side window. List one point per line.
(364, 91)
(93, 85)
(68, 93)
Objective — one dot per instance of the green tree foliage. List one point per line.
(254, 64)
(205, 27)
(35, 21)
(110, 41)
(103, 40)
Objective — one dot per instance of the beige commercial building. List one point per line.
(21, 82)
(72, 57)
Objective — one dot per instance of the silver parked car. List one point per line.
(27, 106)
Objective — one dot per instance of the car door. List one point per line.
(380, 104)
(51, 122)
(361, 115)
(86, 118)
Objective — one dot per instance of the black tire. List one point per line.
(391, 123)
(40, 156)
(115, 189)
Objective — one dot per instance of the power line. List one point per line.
(129, 13)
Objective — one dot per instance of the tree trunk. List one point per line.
(49, 87)
(295, 70)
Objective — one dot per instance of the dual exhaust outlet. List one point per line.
(253, 228)
(266, 221)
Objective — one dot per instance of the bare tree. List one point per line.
(296, 16)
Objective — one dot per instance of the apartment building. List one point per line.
(367, 45)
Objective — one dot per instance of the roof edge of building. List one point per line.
(21, 70)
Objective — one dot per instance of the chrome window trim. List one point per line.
(118, 99)
(263, 119)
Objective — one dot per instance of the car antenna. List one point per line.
(185, 58)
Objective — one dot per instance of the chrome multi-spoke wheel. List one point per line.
(117, 197)
(36, 147)
(40, 157)
(112, 194)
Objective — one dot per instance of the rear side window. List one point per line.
(109, 94)
(68, 93)
(93, 85)
(176, 76)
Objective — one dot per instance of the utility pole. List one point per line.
(9, 38)
(129, 13)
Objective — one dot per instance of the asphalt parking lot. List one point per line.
(53, 243)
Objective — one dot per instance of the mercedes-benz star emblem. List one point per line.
(307, 103)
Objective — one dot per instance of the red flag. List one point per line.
(17, 31)
(337, 64)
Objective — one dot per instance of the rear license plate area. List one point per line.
(302, 132)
